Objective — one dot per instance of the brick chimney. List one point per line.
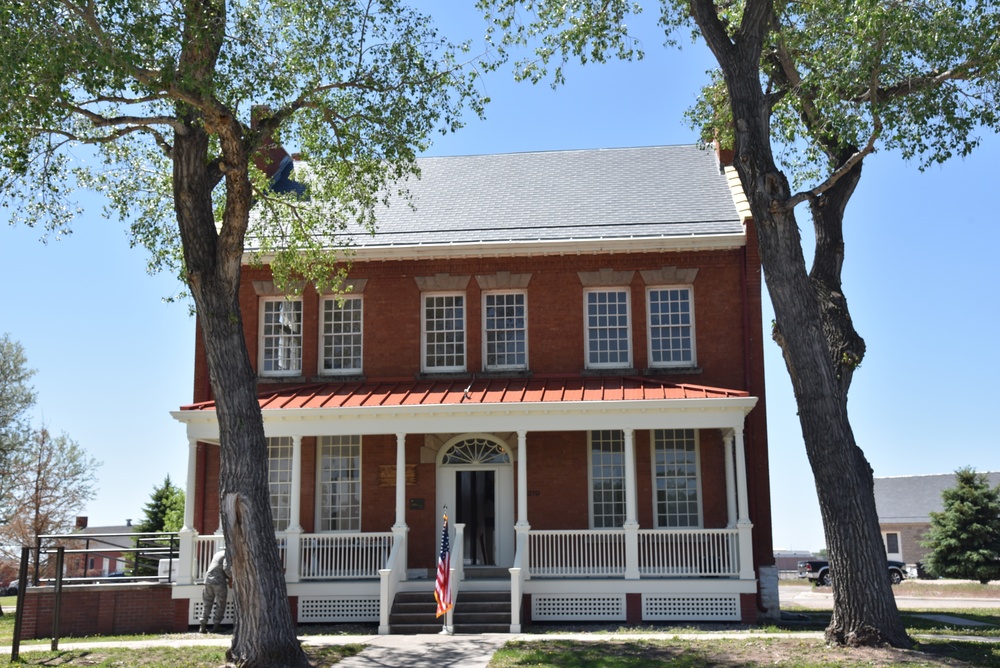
(81, 522)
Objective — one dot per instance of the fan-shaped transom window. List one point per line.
(476, 451)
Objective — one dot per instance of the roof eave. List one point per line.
(484, 249)
(722, 413)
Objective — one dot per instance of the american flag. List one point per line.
(442, 585)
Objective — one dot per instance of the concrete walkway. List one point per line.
(443, 651)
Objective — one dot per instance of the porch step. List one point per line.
(482, 612)
(413, 612)
(476, 612)
(486, 573)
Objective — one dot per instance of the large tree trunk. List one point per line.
(264, 634)
(818, 342)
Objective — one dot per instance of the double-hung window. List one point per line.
(444, 332)
(607, 479)
(279, 478)
(675, 478)
(281, 337)
(607, 328)
(339, 473)
(671, 326)
(341, 335)
(505, 330)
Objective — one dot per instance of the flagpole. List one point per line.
(442, 583)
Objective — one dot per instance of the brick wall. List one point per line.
(910, 537)
(104, 610)
(392, 308)
(729, 346)
(748, 608)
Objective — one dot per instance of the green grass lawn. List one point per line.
(605, 650)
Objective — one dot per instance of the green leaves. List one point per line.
(921, 76)
(560, 32)
(358, 88)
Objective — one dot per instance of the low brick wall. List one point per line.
(104, 610)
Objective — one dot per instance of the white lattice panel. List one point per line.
(197, 605)
(338, 609)
(565, 608)
(691, 608)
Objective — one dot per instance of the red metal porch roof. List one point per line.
(400, 392)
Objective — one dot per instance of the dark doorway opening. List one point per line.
(475, 496)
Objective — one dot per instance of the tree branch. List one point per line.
(101, 121)
(836, 174)
(917, 84)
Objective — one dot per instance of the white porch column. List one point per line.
(743, 523)
(400, 529)
(631, 525)
(293, 534)
(295, 504)
(187, 534)
(521, 527)
(522, 479)
(400, 481)
(727, 447)
(192, 481)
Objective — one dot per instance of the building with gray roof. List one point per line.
(905, 504)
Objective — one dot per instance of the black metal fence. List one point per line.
(139, 553)
(58, 559)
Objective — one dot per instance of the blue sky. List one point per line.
(113, 359)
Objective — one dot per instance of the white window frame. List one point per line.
(591, 478)
(425, 345)
(654, 442)
(485, 318)
(280, 450)
(338, 303)
(897, 555)
(649, 327)
(587, 328)
(322, 508)
(295, 338)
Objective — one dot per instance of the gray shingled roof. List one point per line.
(911, 499)
(624, 193)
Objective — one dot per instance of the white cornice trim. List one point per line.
(490, 249)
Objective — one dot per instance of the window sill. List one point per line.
(673, 371)
(339, 378)
(511, 373)
(443, 375)
(281, 379)
(620, 371)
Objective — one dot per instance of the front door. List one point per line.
(475, 486)
(475, 507)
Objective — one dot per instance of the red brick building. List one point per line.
(564, 349)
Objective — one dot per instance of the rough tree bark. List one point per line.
(816, 336)
(264, 634)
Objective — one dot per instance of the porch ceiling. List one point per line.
(553, 403)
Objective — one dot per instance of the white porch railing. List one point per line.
(665, 553)
(661, 553)
(332, 556)
(689, 553)
(597, 553)
(206, 546)
(390, 576)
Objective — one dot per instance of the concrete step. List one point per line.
(482, 612)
